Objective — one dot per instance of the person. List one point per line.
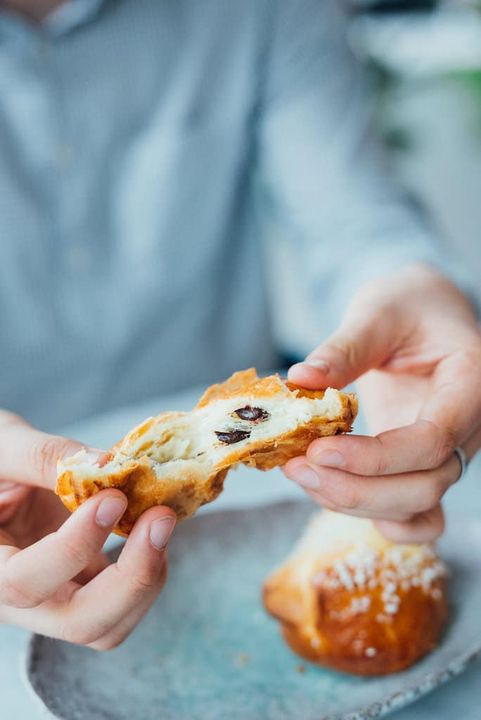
(137, 140)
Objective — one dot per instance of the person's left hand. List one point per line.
(54, 577)
(413, 342)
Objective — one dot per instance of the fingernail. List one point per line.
(160, 532)
(305, 476)
(110, 511)
(318, 363)
(329, 458)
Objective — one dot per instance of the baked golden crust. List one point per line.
(265, 455)
(247, 381)
(197, 483)
(381, 624)
(144, 490)
(343, 643)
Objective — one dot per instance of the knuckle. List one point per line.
(77, 633)
(75, 554)
(346, 496)
(430, 496)
(383, 462)
(45, 453)
(109, 643)
(380, 465)
(13, 594)
(443, 445)
(347, 350)
(141, 583)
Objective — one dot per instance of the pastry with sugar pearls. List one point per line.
(349, 599)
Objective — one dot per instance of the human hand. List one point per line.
(54, 578)
(413, 341)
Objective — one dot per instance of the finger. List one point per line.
(30, 576)
(85, 615)
(53, 619)
(95, 566)
(454, 405)
(11, 496)
(29, 456)
(472, 444)
(137, 576)
(390, 497)
(419, 446)
(364, 341)
(122, 630)
(424, 528)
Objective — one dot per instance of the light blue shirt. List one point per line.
(142, 142)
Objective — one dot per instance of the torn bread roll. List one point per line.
(180, 459)
(350, 600)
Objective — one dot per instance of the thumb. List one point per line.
(29, 456)
(359, 345)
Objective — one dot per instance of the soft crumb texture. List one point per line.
(181, 459)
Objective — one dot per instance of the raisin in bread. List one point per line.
(180, 459)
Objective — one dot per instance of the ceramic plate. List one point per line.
(208, 651)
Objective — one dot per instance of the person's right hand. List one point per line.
(54, 578)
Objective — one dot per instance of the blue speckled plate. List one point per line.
(207, 650)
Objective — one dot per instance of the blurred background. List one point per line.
(425, 58)
(110, 169)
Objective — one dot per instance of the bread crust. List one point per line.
(143, 490)
(318, 621)
(185, 495)
(399, 643)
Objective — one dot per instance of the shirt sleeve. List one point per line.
(324, 170)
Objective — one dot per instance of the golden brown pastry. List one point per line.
(348, 599)
(180, 459)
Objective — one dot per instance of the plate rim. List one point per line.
(380, 708)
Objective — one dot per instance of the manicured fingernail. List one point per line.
(305, 476)
(110, 511)
(160, 532)
(318, 363)
(329, 458)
